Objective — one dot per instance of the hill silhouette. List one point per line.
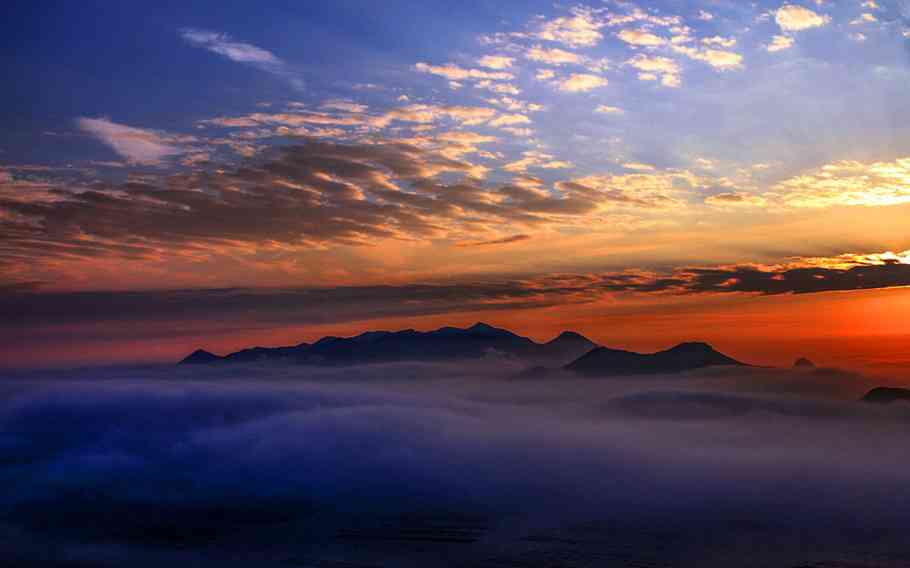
(887, 395)
(570, 351)
(446, 343)
(604, 361)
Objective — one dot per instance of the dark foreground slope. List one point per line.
(447, 343)
(887, 395)
(604, 361)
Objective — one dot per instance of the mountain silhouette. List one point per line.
(200, 357)
(887, 395)
(446, 343)
(604, 361)
(568, 346)
(803, 363)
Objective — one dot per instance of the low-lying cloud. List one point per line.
(401, 463)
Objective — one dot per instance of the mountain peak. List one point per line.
(487, 329)
(570, 336)
(199, 357)
(683, 357)
(694, 346)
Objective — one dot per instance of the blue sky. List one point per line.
(128, 63)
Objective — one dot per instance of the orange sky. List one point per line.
(866, 331)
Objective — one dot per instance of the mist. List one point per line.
(449, 464)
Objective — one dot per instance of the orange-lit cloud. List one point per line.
(849, 183)
(793, 18)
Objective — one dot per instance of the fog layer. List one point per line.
(416, 465)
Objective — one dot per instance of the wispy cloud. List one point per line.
(135, 144)
(240, 52)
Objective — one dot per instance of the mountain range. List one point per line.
(569, 350)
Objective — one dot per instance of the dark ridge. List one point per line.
(887, 395)
(200, 357)
(803, 363)
(569, 350)
(447, 343)
(604, 361)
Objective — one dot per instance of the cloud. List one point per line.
(636, 14)
(719, 41)
(456, 73)
(639, 166)
(346, 106)
(716, 58)
(202, 466)
(607, 109)
(641, 38)
(503, 241)
(554, 56)
(792, 18)
(33, 315)
(735, 199)
(302, 197)
(509, 120)
(240, 52)
(653, 66)
(779, 43)
(865, 18)
(501, 88)
(135, 144)
(581, 82)
(534, 158)
(495, 62)
(355, 118)
(581, 29)
(848, 183)
(647, 189)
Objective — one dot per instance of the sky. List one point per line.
(176, 175)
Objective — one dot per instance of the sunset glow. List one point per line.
(549, 166)
(436, 283)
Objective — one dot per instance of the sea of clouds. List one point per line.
(449, 465)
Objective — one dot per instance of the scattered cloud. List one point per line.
(509, 120)
(456, 73)
(310, 195)
(779, 43)
(736, 199)
(581, 29)
(503, 241)
(653, 66)
(793, 18)
(536, 159)
(553, 56)
(849, 183)
(607, 109)
(865, 18)
(581, 82)
(498, 62)
(716, 58)
(640, 38)
(719, 41)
